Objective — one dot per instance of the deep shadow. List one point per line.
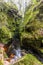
(36, 53)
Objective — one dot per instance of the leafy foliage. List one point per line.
(33, 24)
(9, 18)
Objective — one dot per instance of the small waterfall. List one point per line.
(18, 53)
(16, 56)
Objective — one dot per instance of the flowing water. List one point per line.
(17, 55)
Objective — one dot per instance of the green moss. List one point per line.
(29, 59)
(1, 63)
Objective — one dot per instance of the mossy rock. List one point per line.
(29, 59)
